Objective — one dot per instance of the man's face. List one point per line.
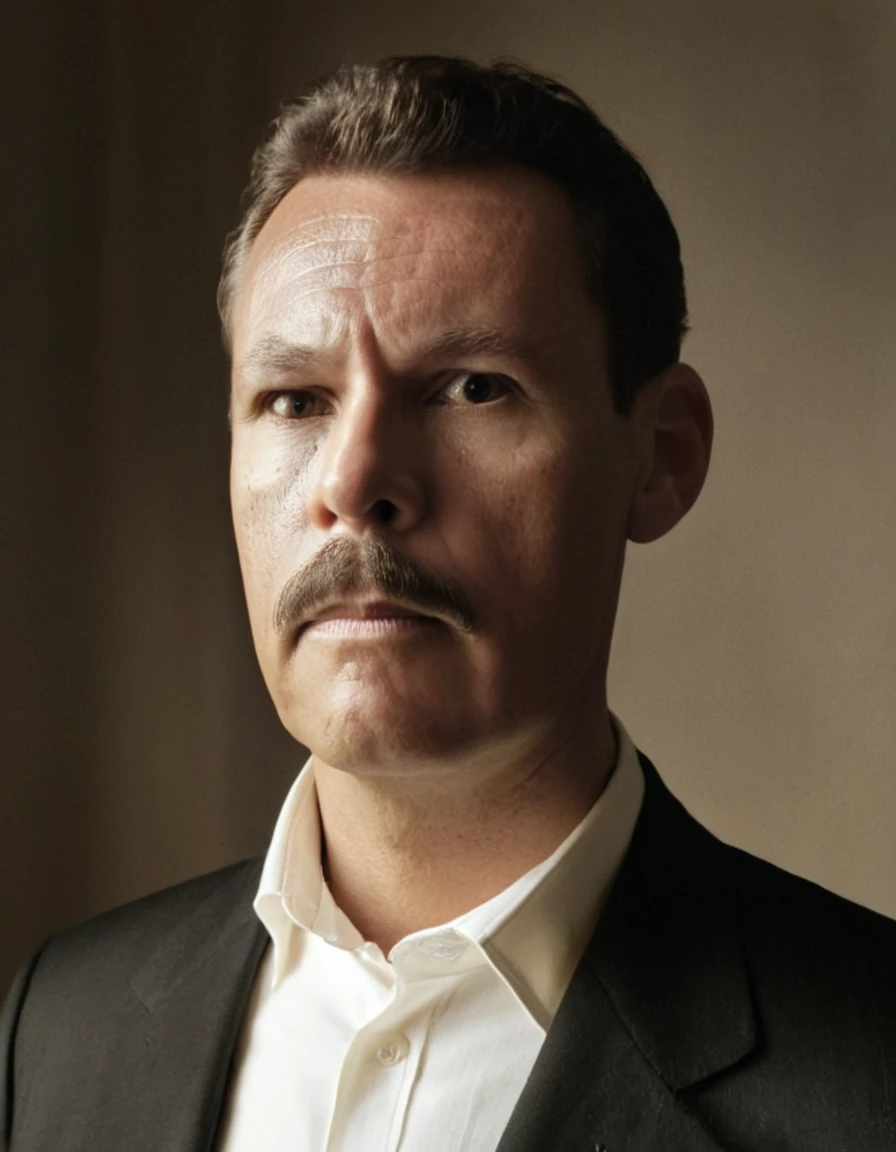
(420, 394)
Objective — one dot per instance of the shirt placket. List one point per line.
(382, 1064)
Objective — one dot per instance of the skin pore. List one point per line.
(420, 372)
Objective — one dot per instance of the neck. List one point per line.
(402, 852)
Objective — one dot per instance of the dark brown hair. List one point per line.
(416, 113)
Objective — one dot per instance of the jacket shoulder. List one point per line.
(95, 960)
(798, 934)
(82, 1021)
(766, 898)
(139, 924)
(782, 906)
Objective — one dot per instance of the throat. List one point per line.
(397, 864)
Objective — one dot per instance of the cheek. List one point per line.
(544, 526)
(520, 496)
(268, 494)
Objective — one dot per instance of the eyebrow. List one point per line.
(475, 342)
(272, 353)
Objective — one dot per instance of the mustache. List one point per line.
(345, 568)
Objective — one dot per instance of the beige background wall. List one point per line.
(755, 651)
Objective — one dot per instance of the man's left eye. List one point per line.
(476, 388)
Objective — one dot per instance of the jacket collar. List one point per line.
(659, 1002)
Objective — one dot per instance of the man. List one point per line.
(455, 307)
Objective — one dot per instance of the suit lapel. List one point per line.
(194, 989)
(658, 1003)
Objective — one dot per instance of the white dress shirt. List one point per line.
(428, 1049)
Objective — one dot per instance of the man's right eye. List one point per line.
(292, 405)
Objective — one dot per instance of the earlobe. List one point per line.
(674, 427)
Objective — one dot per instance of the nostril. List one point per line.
(385, 511)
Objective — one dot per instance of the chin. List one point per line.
(373, 714)
(370, 736)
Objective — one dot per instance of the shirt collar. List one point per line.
(292, 891)
(533, 933)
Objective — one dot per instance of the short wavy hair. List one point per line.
(424, 113)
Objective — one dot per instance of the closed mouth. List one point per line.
(377, 617)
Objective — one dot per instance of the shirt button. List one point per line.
(393, 1049)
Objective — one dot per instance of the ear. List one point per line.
(673, 423)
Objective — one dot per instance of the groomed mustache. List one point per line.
(346, 568)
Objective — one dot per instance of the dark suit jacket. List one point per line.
(721, 1004)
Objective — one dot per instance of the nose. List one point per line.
(369, 473)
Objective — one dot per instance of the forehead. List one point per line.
(405, 256)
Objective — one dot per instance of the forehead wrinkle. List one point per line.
(374, 264)
(280, 284)
(352, 241)
(413, 237)
(337, 291)
(328, 228)
(371, 262)
(347, 309)
(358, 220)
(286, 264)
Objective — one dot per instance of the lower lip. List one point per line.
(372, 628)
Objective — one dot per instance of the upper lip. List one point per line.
(360, 610)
